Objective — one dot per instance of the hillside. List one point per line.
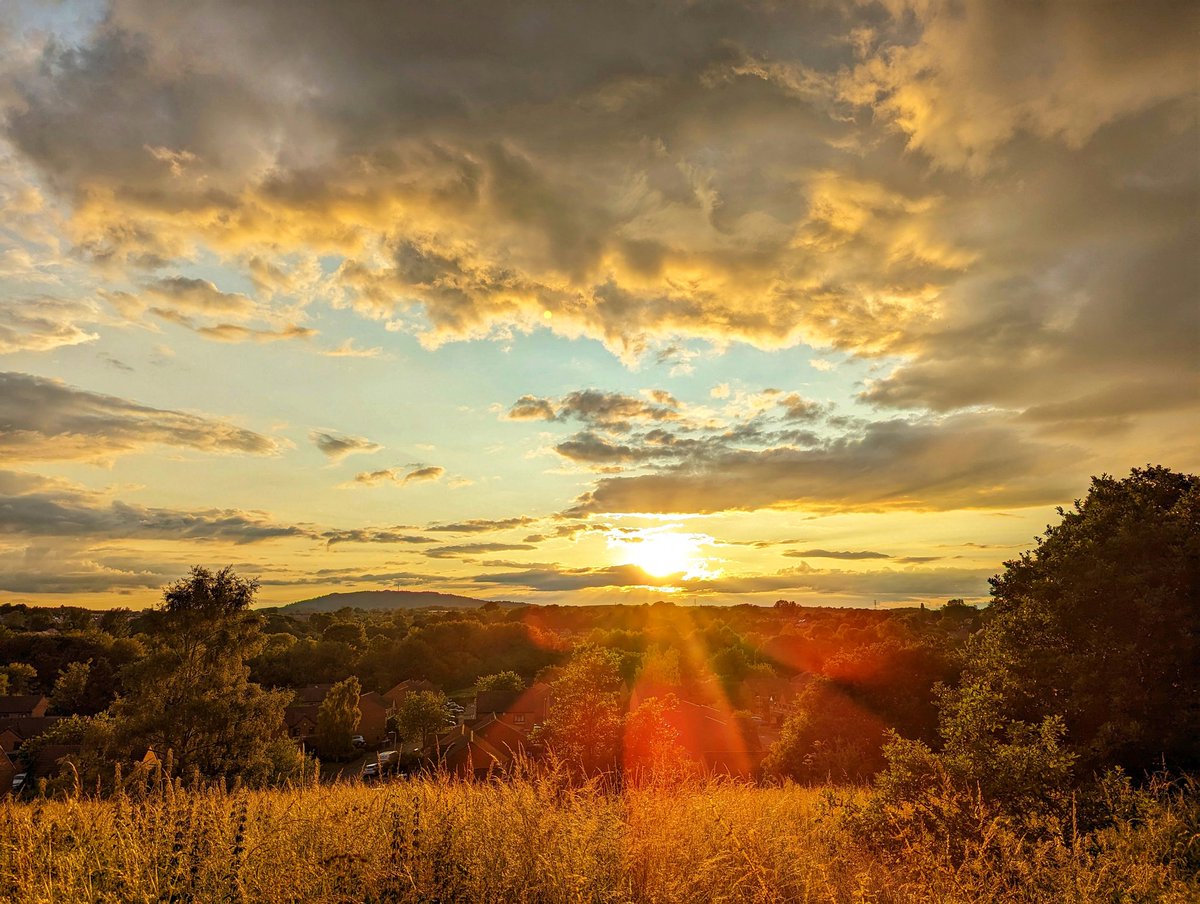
(387, 599)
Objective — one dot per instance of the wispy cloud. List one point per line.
(336, 446)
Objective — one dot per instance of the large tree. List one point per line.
(420, 713)
(585, 720)
(191, 694)
(1098, 626)
(337, 717)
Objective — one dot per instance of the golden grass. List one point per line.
(536, 839)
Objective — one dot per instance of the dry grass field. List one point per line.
(539, 840)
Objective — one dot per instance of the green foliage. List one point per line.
(828, 738)
(347, 632)
(651, 752)
(191, 693)
(420, 713)
(501, 681)
(584, 724)
(19, 678)
(337, 717)
(1087, 662)
(1100, 626)
(70, 688)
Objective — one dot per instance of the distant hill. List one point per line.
(387, 599)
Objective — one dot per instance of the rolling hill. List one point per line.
(387, 599)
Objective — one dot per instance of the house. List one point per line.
(373, 716)
(520, 709)
(301, 722)
(50, 759)
(7, 770)
(17, 730)
(15, 706)
(313, 693)
(490, 746)
(300, 719)
(404, 688)
(722, 742)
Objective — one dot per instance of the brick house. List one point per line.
(404, 688)
(488, 747)
(373, 715)
(521, 709)
(14, 706)
(16, 730)
(714, 736)
(300, 719)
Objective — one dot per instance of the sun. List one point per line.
(662, 552)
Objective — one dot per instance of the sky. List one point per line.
(714, 302)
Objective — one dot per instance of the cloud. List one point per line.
(1050, 70)
(349, 350)
(834, 554)
(961, 462)
(612, 410)
(231, 332)
(481, 525)
(44, 323)
(396, 534)
(336, 446)
(891, 584)
(399, 476)
(197, 296)
(993, 205)
(41, 507)
(466, 550)
(46, 420)
(45, 568)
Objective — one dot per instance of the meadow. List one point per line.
(540, 839)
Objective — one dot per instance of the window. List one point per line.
(519, 718)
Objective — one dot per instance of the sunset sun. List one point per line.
(661, 552)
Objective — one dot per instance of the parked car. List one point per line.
(383, 762)
(19, 781)
(359, 741)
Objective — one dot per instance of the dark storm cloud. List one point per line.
(994, 201)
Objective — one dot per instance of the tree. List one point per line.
(1086, 661)
(584, 723)
(1098, 627)
(70, 688)
(651, 751)
(337, 717)
(501, 681)
(420, 713)
(19, 677)
(191, 694)
(830, 737)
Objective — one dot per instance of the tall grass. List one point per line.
(538, 839)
